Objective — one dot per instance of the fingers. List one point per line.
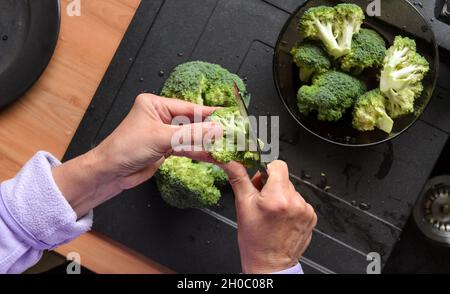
(189, 138)
(278, 175)
(239, 180)
(171, 108)
(202, 156)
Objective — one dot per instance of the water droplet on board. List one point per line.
(5, 37)
(180, 54)
(161, 73)
(364, 206)
(306, 176)
(141, 79)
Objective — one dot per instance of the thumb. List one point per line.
(240, 181)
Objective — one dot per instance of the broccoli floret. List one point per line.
(330, 95)
(182, 182)
(311, 58)
(368, 51)
(334, 26)
(185, 184)
(370, 113)
(402, 75)
(204, 84)
(220, 177)
(234, 145)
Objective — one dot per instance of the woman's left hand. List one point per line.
(133, 152)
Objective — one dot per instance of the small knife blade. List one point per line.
(261, 165)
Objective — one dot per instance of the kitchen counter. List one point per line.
(373, 189)
(47, 117)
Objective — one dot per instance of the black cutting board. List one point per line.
(241, 35)
(28, 34)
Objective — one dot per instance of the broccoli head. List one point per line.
(370, 113)
(402, 75)
(311, 58)
(234, 145)
(182, 182)
(220, 177)
(186, 184)
(331, 94)
(368, 51)
(204, 84)
(334, 26)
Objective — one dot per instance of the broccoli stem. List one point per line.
(385, 123)
(306, 73)
(327, 36)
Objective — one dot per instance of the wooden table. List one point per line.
(47, 117)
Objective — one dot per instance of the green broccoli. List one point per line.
(330, 95)
(402, 75)
(368, 51)
(370, 113)
(234, 145)
(186, 184)
(311, 58)
(220, 177)
(182, 182)
(204, 84)
(334, 26)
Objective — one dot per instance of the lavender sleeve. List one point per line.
(295, 270)
(34, 216)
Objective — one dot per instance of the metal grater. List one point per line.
(432, 211)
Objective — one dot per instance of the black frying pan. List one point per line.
(28, 35)
(398, 17)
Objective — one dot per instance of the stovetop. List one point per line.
(373, 189)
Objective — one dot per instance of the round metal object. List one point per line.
(432, 211)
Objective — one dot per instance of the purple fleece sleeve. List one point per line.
(35, 216)
(295, 270)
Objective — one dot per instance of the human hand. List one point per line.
(133, 152)
(274, 222)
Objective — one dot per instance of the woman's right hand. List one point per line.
(274, 222)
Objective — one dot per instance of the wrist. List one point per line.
(266, 264)
(85, 182)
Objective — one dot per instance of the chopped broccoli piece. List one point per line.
(204, 84)
(402, 75)
(368, 51)
(334, 26)
(234, 145)
(370, 113)
(185, 184)
(311, 58)
(330, 95)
